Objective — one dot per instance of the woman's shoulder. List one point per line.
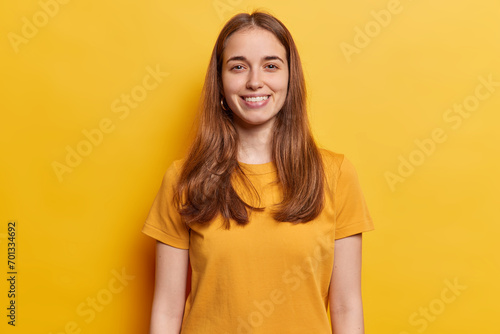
(174, 169)
(339, 165)
(331, 159)
(178, 163)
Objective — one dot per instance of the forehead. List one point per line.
(253, 42)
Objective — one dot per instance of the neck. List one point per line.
(254, 146)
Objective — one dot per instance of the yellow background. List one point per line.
(76, 232)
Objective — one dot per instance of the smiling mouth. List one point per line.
(256, 98)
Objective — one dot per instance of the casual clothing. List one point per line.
(267, 276)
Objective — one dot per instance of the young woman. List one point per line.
(271, 224)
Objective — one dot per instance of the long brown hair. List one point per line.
(204, 188)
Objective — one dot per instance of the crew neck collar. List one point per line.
(258, 169)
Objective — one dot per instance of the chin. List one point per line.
(254, 121)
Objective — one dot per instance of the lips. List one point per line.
(255, 101)
(255, 98)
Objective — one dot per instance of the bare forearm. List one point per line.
(166, 315)
(163, 324)
(348, 320)
(170, 288)
(346, 306)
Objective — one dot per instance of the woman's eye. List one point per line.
(237, 67)
(273, 67)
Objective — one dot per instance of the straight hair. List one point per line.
(205, 188)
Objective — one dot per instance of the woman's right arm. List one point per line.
(170, 289)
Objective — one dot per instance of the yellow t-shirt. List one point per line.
(268, 276)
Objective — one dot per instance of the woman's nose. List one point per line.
(254, 80)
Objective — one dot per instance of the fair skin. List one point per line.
(255, 67)
(346, 307)
(170, 289)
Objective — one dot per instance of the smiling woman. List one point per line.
(255, 85)
(271, 223)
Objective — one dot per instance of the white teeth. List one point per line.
(257, 98)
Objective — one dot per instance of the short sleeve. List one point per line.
(164, 222)
(352, 215)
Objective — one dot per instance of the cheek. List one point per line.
(231, 85)
(280, 84)
(225, 84)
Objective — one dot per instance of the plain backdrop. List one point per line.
(99, 97)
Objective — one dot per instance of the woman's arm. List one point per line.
(170, 289)
(346, 307)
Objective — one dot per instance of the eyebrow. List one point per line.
(242, 58)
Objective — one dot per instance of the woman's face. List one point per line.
(254, 76)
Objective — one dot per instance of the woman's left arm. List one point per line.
(346, 306)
